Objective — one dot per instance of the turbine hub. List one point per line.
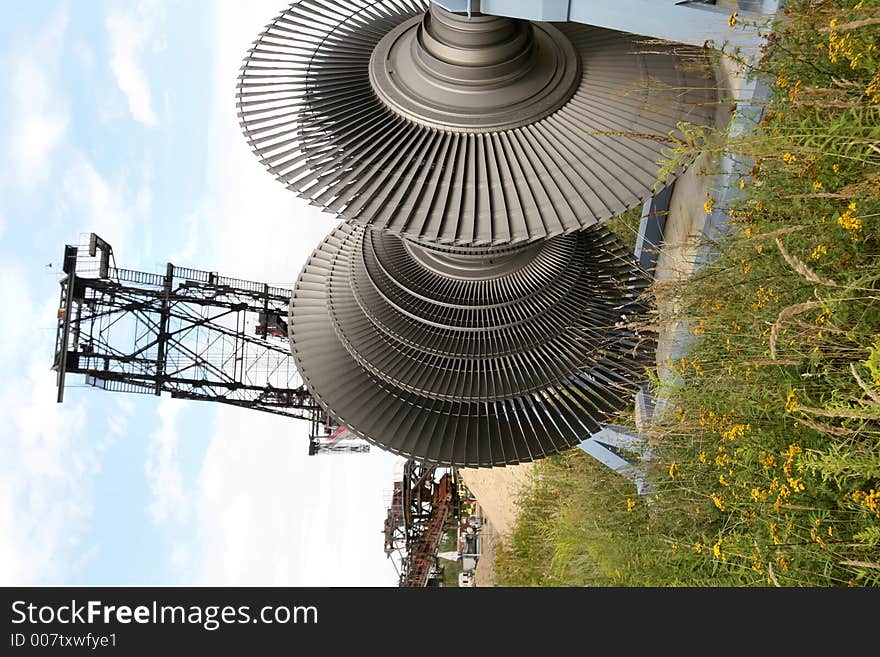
(477, 74)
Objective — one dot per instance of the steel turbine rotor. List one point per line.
(463, 131)
(471, 359)
(471, 309)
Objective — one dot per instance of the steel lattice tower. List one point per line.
(191, 333)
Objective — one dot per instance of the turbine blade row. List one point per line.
(471, 371)
(310, 114)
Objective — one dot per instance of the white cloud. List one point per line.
(14, 294)
(130, 33)
(84, 54)
(265, 512)
(163, 468)
(39, 113)
(181, 557)
(105, 205)
(46, 459)
(269, 514)
(192, 243)
(259, 227)
(117, 421)
(48, 456)
(44, 476)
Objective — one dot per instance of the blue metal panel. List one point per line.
(651, 226)
(637, 472)
(455, 5)
(672, 20)
(535, 10)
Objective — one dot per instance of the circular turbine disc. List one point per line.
(470, 371)
(311, 114)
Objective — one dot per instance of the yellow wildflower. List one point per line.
(716, 550)
(630, 504)
(764, 295)
(702, 457)
(757, 565)
(835, 167)
(819, 251)
(709, 204)
(848, 221)
(698, 547)
(723, 481)
(718, 501)
(742, 183)
(736, 431)
(791, 404)
(673, 470)
(783, 494)
(869, 500)
(843, 46)
(788, 158)
(732, 19)
(817, 185)
(873, 89)
(781, 81)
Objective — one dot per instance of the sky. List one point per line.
(119, 118)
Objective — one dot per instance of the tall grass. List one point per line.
(768, 463)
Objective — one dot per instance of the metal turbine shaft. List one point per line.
(470, 357)
(464, 131)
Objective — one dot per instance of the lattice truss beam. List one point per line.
(191, 333)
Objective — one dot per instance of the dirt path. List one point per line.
(496, 490)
